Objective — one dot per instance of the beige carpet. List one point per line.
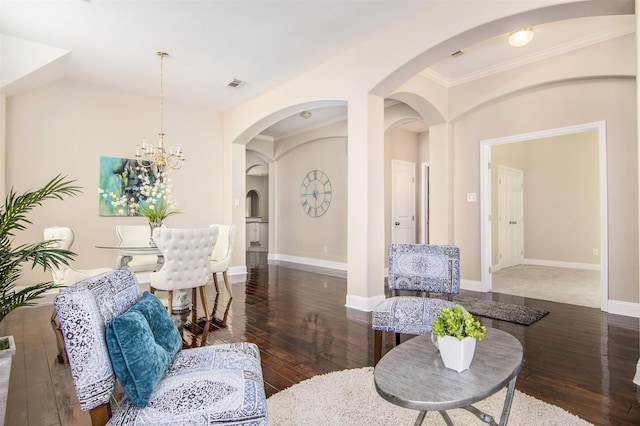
(349, 398)
(564, 285)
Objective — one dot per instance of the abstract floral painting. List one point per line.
(119, 180)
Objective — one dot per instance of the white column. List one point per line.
(441, 184)
(365, 234)
(238, 200)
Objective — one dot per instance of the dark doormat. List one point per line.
(523, 315)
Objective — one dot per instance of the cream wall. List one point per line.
(611, 100)
(65, 128)
(302, 236)
(561, 197)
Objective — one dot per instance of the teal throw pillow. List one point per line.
(142, 343)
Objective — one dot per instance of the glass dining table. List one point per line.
(126, 253)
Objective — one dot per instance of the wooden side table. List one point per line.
(412, 375)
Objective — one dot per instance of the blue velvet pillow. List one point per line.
(142, 343)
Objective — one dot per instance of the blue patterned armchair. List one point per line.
(104, 318)
(420, 268)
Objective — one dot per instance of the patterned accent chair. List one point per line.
(62, 237)
(418, 268)
(220, 384)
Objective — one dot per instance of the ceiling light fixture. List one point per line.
(305, 114)
(521, 37)
(158, 156)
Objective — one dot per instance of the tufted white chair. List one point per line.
(221, 256)
(136, 236)
(65, 275)
(187, 255)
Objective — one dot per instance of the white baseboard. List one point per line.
(559, 264)
(472, 286)
(237, 274)
(339, 266)
(365, 304)
(627, 309)
(555, 264)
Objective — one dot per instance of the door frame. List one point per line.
(424, 203)
(485, 198)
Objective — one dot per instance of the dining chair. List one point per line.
(187, 257)
(62, 237)
(420, 268)
(221, 255)
(136, 236)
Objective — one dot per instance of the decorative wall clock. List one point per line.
(315, 193)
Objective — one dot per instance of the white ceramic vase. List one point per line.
(457, 354)
(6, 356)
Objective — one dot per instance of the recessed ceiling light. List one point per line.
(521, 37)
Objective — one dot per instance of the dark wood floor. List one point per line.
(577, 358)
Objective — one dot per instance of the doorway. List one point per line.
(488, 234)
(510, 217)
(403, 203)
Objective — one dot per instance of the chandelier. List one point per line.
(158, 156)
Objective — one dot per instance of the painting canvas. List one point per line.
(119, 184)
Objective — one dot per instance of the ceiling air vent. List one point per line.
(234, 83)
(458, 53)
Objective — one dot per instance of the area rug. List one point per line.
(517, 314)
(349, 398)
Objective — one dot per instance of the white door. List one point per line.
(510, 208)
(403, 206)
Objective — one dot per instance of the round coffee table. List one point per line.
(412, 375)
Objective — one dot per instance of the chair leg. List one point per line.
(55, 324)
(207, 323)
(377, 346)
(194, 306)
(215, 281)
(170, 302)
(227, 284)
(397, 339)
(100, 415)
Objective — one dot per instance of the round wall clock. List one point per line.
(315, 193)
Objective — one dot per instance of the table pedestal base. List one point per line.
(506, 409)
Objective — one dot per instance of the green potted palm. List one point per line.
(457, 333)
(13, 258)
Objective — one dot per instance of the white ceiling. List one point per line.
(263, 43)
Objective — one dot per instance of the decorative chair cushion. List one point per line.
(422, 267)
(408, 314)
(219, 384)
(142, 343)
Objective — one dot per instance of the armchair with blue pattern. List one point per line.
(220, 384)
(419, 268)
